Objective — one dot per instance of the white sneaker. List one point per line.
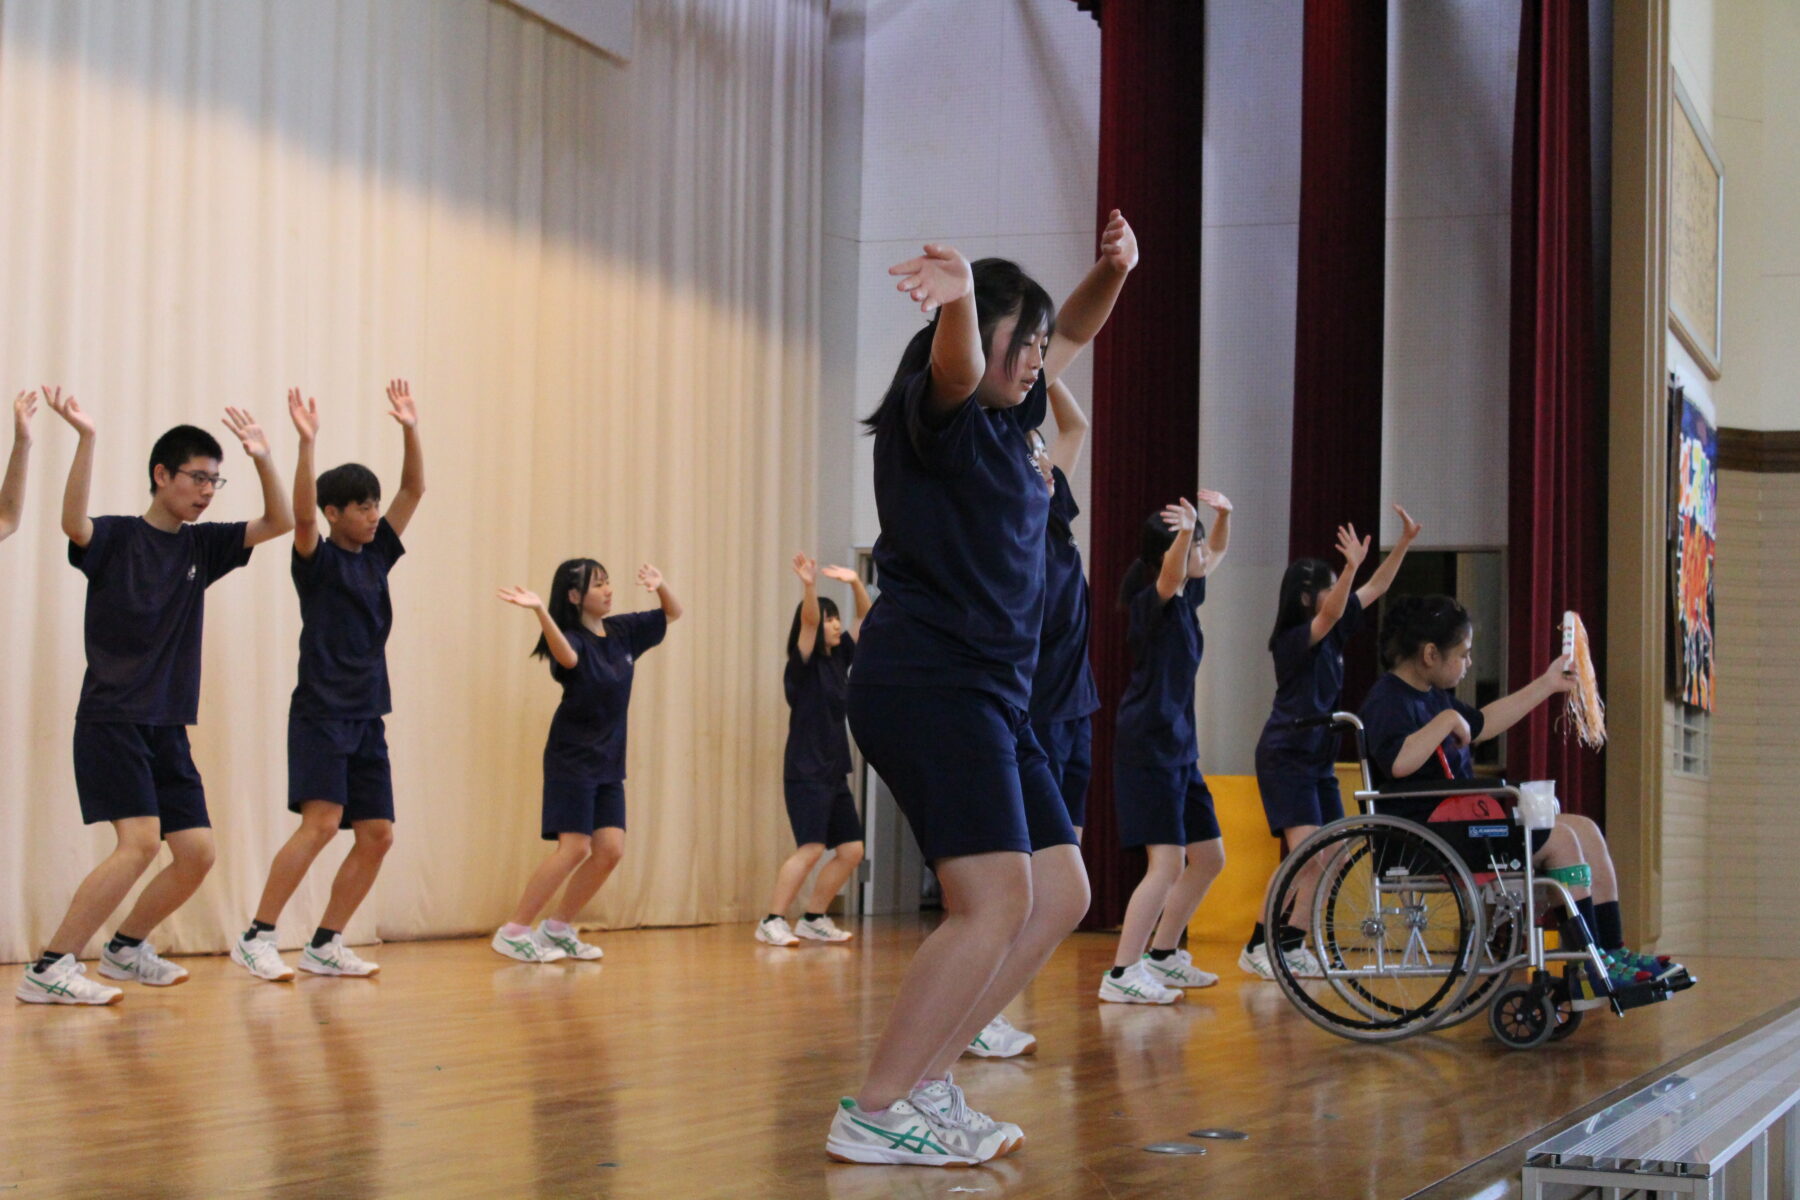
(142, 963)
(822, 930)
(65, 981)
(1001, 1040)
(906, 1135)
(1254, 960)
(1178, 971)
(1304, 963)
(775, 932)
(570, 943)
(530, 948)
(944, 1098)
(335, 958)
(1136, 987)
(259, 956)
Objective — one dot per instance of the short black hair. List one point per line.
(1415, 622)
(174, 448)
(349, 484)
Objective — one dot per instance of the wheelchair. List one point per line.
(1425, 911)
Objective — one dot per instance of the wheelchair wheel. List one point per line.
(1395, 928)
(1523, 1017)
(1504, 942)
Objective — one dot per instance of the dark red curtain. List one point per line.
(1557, 454)
(1338, 309)
(1147, 361)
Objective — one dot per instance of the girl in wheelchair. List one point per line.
(1418, 735)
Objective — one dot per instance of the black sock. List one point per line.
(257, 927)
(45, 961)
(121, 942)
(1609, 926)
(1116, 972)
(322, 936)
(771, 917)
(1289, 937)
(813, 917)
(1580, 930)
(1256, 937)
(1160, 955)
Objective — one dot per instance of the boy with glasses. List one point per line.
(338, 775)
(147, 580)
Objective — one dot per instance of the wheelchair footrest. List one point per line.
(1637, 995)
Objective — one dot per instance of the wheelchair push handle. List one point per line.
(1342, 722)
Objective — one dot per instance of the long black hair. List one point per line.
(1157, 537)
(1304, 577)
(827, 609)
(576, 575)
(1413, 622)
(1002, 288)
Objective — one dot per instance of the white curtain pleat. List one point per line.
(600, 278)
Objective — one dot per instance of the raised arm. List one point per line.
(1179, 517)
(1420, 745)
(1218, 540)
(807, 570)
(305, 413)
(412, 467)
(277, 517)
(652, 581)
(1508, 711)
(1337, 597)
(1084, 313)
(1071, 428)
(560, 650)
(863, 603)
(12, 491)
(75, 520)
(1383, 578)
(941, 279)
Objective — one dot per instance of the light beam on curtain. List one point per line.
(600, 278)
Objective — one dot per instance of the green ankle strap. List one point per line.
(1578, 876)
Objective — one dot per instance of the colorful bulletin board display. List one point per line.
(1694, 496)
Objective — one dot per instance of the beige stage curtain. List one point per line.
(600, 277)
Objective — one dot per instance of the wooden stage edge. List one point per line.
(698, 1063)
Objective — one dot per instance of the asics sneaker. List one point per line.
(775, 931)
(1178, 971)
(570, 943)
(531, 947)
(64, 981)
(821, 929)
(141, 963)
(259, 956)
(944, 1098)
(1000, 1040)
(905, 1135)
(335, 958)
(1136, 987)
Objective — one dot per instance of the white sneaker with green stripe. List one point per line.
(142, 964)
(570, 943)
(335, 958)
(944, 1098)
(1178, 971)
(531, 946)
(64, 981)
(1000, 1040)
(904, 1135)
(1135, 986)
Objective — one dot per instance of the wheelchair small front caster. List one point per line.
(1523, 1017)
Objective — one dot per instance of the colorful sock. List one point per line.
(1609, 926)
(121, 942)
(45, 961)
(257, 927)
(1160, 955)
(322, 936)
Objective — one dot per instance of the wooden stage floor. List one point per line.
(696, 1062)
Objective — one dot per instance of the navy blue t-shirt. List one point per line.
(1063, 688)
(345, 617)
(960, 558)
(1308, 680)
(146, 607)
(817, 747)
(1394, 711)
(1156, 713)
(587, 735)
